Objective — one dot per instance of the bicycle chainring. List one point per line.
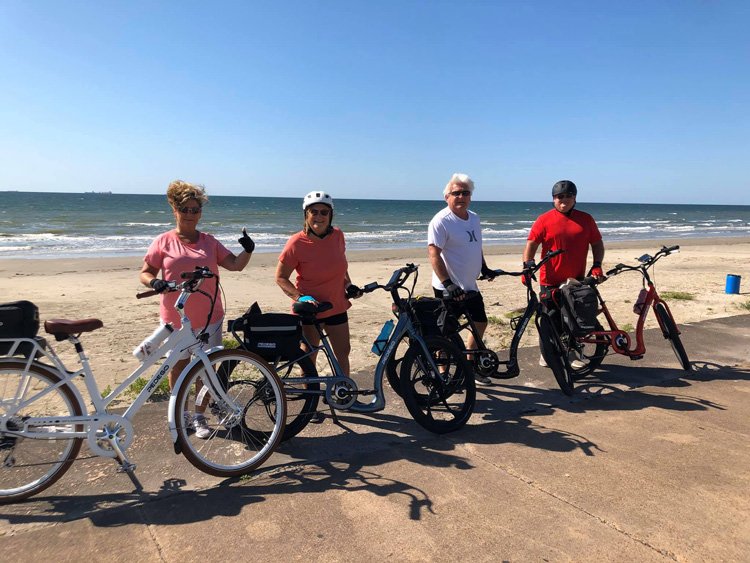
(110, 427)
(342, 394)
(486, 363)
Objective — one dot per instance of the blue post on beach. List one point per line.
(733, 283)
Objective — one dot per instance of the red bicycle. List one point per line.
(581, 355)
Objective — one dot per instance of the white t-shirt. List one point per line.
(460, 241)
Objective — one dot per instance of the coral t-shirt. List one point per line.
(172, 256)
(321, 268)
(572, 233)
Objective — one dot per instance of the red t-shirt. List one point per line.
(573, 233)
(321, 268)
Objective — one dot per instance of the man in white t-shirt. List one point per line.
(454, 240)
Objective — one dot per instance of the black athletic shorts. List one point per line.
(333, 320)
(474, 306)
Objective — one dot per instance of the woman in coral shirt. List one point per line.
(318, 254)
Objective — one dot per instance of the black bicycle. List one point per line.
(448, 318)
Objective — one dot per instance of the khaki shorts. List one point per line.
(214, 339)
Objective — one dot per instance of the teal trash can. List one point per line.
(733, 283)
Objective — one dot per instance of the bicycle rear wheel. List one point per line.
(441, 401)
(301, 399)
(243, 433)
(669, 329)
(553, 353)
(29, 465)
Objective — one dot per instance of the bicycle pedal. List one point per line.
(126, 468)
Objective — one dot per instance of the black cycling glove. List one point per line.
(487, 273)
(247, 243)
(353, 291)
(451, 291)
(159, 286)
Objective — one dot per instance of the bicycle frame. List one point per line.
(619, 340)
(404, 326)
(518, 324)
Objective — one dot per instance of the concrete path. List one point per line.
(645, 463)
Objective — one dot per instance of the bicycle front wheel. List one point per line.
(29, 465)
(232, 438)
(393, 367)
(441, 401)
(669, 329)
(553, 351)
(301, 399)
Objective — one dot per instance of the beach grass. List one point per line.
(678, 295)
(745, 305)
(161, 393)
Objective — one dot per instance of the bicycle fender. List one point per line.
(171, 424)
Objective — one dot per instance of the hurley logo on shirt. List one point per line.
(472, 236)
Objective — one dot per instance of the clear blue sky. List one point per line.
(634, 101)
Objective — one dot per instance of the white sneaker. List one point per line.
(542, 361)
(187, 419)
(575, 362)
(200, 426)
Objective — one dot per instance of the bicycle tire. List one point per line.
(301, 399)
(669, 330)
(236, 445)
(393, 367)
(28, 466)
(444, 402)
(591, 354)
(553, 353)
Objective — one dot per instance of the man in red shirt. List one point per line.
(571, 230)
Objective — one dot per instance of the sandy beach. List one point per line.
(105, 289)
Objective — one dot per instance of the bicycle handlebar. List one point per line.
(528, 271)
(646, 261)
(200, 273)
(398, 278)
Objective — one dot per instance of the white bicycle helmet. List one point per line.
(317, 197)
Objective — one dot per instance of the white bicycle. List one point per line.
(44, 418)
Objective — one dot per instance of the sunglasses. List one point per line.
(321, 212)
(563, 196)
(465, 193)
(190, 210)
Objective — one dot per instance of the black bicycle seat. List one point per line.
(308, 310)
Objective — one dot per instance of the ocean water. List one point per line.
(56, 225)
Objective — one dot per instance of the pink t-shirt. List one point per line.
(172, 256)
(321, 268)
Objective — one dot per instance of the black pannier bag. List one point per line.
(579, 306)
(434, 318)
(19, 319)
(272, 336)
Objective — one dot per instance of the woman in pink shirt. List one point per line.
(181, 250)
(318, 254)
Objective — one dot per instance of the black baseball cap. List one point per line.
(564, 187)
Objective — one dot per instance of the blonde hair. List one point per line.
(459, 179)
(179, 192)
